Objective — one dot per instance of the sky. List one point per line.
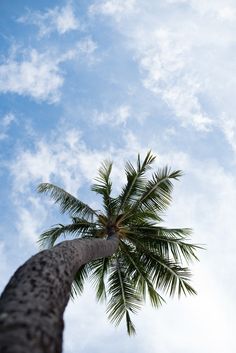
(83, 81)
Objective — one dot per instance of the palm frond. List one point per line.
(103, 183)
(157, 194)
(140, 217)
(158, 190)
(78, 283)
(167, 275)
(135, 180)
(166, 241)
(129, 324)
(66, 201)
(49, 237)
(103, 186)
(124, 300)
(140, 275)
(99, 270)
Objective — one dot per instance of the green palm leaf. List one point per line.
(124, 300)
(99, 269)
(135, 180)
(156, 196)
(78, 283)
(103, 186)
(166, 274)
(66, 201)
(169, 242)
(158, 190)
(49, 238)
(140, 276)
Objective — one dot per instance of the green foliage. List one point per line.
(66, 201)
(124, 296)
(151, 260)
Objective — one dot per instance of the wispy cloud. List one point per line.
(163, 60)
(4, 268)
(36, 75)
(228, 126)
(115, 8)
(59, 19)
(63, 159)
(55, 160)
(29, 72)
(217, 9)
(118, 116)
(5, 123)
(184, 50)
(56, 157)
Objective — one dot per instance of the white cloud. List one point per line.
(31, 217)
(187, 107)
(3, 264)
(58, 157)
(63, 160)
(86, 46)
(223, 10)
(5, 123)
(164, 59)
(118, 116)
(228, 126)
(57, 19)
(38, 75)
(7, 119)
(217, 9)
(184, 50)
(227, 13)
(116, 8)
(191, 322)
(55, 161)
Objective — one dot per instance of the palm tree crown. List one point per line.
(150, 259)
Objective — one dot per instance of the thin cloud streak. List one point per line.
(28, 72)
(184, 51)
(59, 19)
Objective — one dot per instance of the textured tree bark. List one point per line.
(33, 302)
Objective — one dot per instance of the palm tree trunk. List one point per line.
(33, 302)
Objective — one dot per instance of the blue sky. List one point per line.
(81, 81)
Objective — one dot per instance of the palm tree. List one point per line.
(123, 248)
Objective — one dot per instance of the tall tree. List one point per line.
(123, 248)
